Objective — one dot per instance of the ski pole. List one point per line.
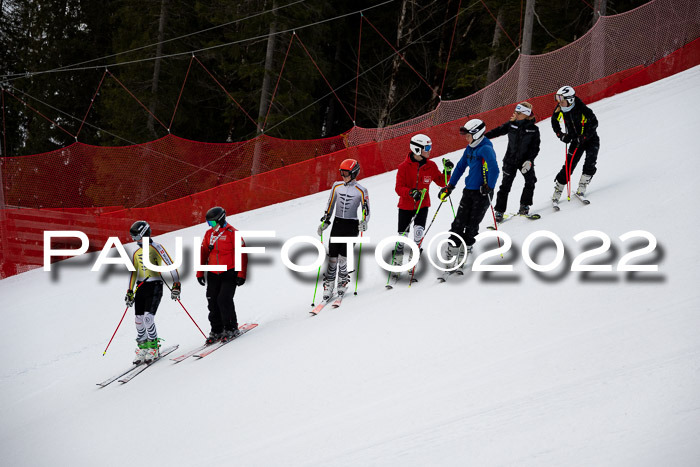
(425, 234)
(318, 274)
(120, 321)
(188, 313)
(359, 255)
(493, 213)
(405, 232)
(452, 205)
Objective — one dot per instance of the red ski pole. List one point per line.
(115, 331)
(188, 314)
(120, 321)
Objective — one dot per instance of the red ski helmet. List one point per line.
(351, 166)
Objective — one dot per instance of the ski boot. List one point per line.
(213, 337)
(230, 335)
(499, 217)
(398, 258)
(152, 350)
(524, 210)
(328, 286)
(583, 184)
(462, 256)
(558, 189)
(343, 282)
(141, 349)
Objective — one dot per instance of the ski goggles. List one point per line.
(521, 109)
(211, 223)
(136, 238)
(427, 147)
(345, 173)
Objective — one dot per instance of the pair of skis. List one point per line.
(200, 352)
(137, 368)
(459, 271)
(579, 196)
(509, 216)
(335, 301)
(206, 349)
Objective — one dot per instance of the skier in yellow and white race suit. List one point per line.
(146, 289)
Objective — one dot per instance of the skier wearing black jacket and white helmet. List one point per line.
(573, 122)
(523, 147)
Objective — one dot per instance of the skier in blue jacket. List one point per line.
(480, 181)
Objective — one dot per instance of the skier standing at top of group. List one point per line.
(146, 289)
(574, 122)
(413, 180)
(219, 248)
(523, 147)
(479, 183)
(347, 196)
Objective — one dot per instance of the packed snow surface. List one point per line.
(491, 368)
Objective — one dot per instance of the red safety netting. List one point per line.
(173, 181)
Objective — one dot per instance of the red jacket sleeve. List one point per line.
(244, 262)
(204, 252)
(402, 188)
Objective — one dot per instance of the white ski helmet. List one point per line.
(568, 93)
(420, 142)
(474, 127)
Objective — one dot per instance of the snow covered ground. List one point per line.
(518, 368)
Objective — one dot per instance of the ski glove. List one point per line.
(325, 222)
(175, 291)
(240, 281)
(202, 280)
(485, 190)
(415, 194)
(527, 165)
(129, 298)
(566, 138)
(445, 192)
(448, 166)
(362, 226)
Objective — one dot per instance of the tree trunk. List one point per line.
(265, 90)
(391, 93)
(599, 9)
(494, 65)
(526, 46)
(327, 128)
(156, 67)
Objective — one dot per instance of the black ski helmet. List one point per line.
(216, 214)
(140, 229)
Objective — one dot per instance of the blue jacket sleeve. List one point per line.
(458, 170)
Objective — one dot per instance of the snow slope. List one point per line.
(520, 368)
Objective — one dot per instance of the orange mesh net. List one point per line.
(171, 182)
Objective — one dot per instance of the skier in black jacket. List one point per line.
(523, 147)
(573, 122)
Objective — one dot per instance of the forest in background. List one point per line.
(147, 46)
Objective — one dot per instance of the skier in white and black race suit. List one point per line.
(347, 196)
(219, 248)
(480, 158)
(415, 174)
(146, 289)
(580, 125)
(523, 147)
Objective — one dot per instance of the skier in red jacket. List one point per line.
(218, 248)
(415, 175)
